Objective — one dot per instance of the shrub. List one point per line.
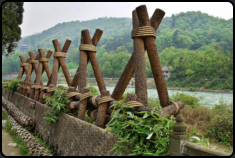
(59, 102)
(145, 136)
(186, 98)
(94, 90)
(221, 126)
(12, 86)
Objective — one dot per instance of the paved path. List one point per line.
(6, 149)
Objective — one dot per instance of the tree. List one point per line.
(173, 21)
(12, 14)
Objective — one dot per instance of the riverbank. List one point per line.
(150, 85)
(113, 82)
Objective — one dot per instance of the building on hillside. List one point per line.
(166, 71)
(23, 48)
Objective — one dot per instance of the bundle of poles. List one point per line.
(81, 100)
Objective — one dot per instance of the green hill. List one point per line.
(180, 40)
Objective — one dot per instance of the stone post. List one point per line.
(178, 136)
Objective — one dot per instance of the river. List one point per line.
(209, 98)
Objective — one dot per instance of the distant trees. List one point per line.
(12, 14)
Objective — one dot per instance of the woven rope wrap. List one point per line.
(133, 104)
(42, 59)
(23, 87)
(93, 100)
(51, 89)
(105, 99)
(85, 95)
(24, 64)
(33, 61)
(19, 85)
(72, 94)
(38, 87)
(33, 86)
(143, 31)
(177, 107)
(59, 54)
(28, 88)
(87, 47)
(43, 88)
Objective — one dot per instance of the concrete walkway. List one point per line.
(6, 149)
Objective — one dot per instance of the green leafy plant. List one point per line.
(12, 86)
(195, 137)
(144, 136)
(93, 90)
(186, 98)
(5, 84)
(59, 101)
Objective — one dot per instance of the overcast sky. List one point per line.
(39, 16)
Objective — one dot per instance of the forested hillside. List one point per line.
(198, 46)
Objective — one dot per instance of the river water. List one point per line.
(209, 98)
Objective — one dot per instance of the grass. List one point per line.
(16, 139)
(20, 143)
(215, 124)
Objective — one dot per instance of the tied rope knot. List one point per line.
(105, 99)
(177, 107)
(87, 47)
(85, 95)
(93, 100)
(24, 64)
(44, 59)
(133, 104)
(72, 94)
(43, 88)
(143, 31)
(33, 61)
(52, 89)
(38, 87)
(59, 54)
(33, 86)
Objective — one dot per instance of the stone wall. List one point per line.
(69, 136)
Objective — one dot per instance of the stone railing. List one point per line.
(180, 145)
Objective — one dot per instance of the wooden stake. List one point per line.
(129, 69)
(41, 95)
(95, 40)
(154, 58)
(100, 121)
(139, 60)
(83, 104)
(92, 57)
